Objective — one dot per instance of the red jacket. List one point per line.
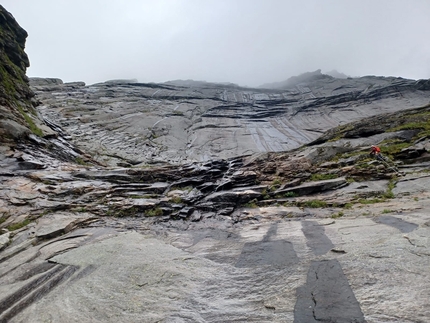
(375, 150)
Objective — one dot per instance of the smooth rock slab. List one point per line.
(315, 186)
(56, 224)
(4, 240)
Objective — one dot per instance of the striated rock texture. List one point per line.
(318, 233)
(130, 123)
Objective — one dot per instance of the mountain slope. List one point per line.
(154, 123)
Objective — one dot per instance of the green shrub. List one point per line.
(154, 212)
(394, 148)
(337, 215)
(290, 194)
(252, 204)
(322, 177)
(19, 225)
(389, 193)
(347, 206)
(370, 201)
(265, 195)
(176, 200)
(34, 129)
(80, 161)
(315, 204)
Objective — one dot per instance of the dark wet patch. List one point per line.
(401, 225)
(276, 253)
(316, 238)
(215, 234)
(327, 296)
(39, 268)
(83, 273)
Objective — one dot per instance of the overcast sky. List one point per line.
(248, 42)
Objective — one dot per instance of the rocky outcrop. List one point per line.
(18, 116)
(128, 123)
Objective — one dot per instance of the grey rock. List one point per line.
(14, 129)
(178, 124)
(42, 81)
(315, 186)
(4, 240)
(53, 225)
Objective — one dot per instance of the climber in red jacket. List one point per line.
(376, 151)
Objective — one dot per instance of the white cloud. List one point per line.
(249, 42)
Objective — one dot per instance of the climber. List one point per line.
(376, 151)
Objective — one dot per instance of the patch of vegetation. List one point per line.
(251, 204)
(265, 195)
(385, 211)
(34, 129)
(275, 184)
(393, 147)
(315, 204)
(322, 177)
(19, 225)
(370, 201)
(419, 121)
(337, 215)
(176, 200)
(389, 193)
(290, 194)
(80, 161)
(3, 219)
(154, 212)
(347, 206)
(414, 120)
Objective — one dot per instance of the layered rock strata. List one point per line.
(130, 123)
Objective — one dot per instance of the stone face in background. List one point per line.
(16, 105)
(124, 122)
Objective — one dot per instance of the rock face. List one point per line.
(158, 230)
(16, 105)
(177, 122)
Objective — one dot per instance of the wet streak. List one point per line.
(401, 225)
(327, 296)
(317, 240)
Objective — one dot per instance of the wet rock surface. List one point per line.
(135, 244)
(127, 123)
(196, 202)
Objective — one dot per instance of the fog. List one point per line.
(247, 42)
